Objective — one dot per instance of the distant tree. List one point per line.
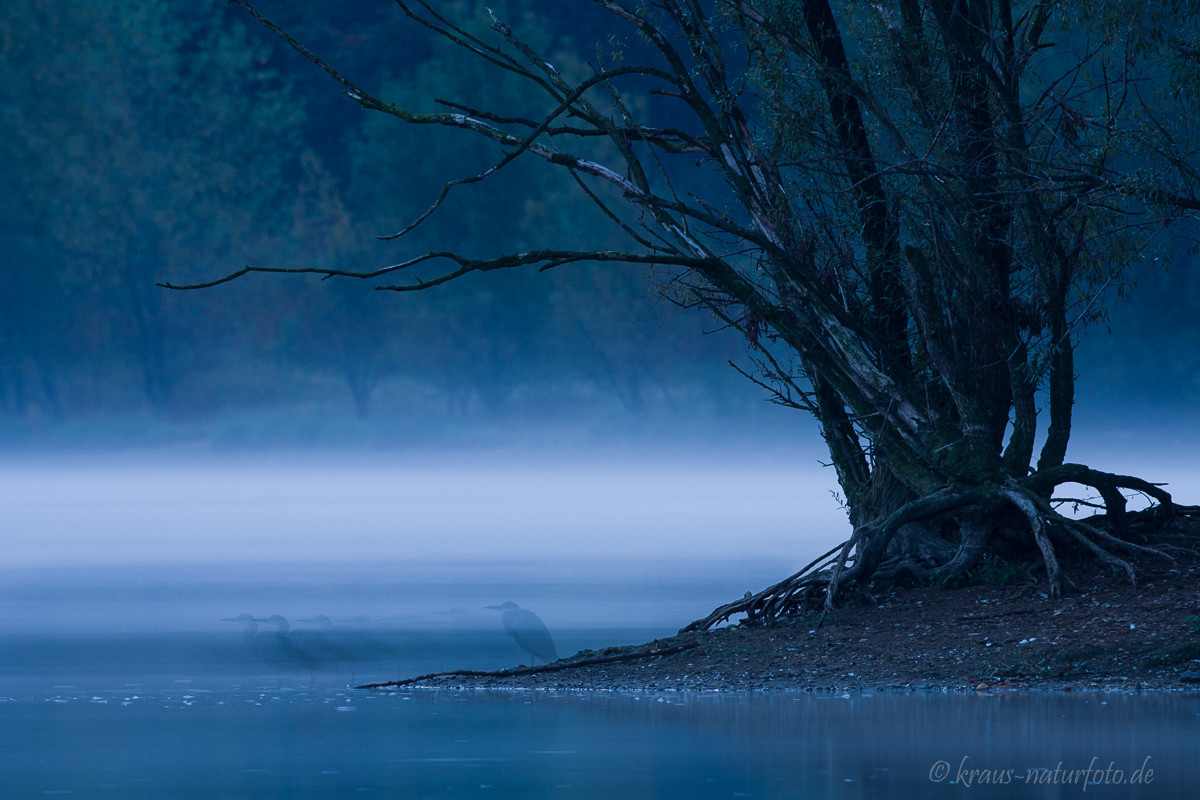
(1149, 357)
(515, 332)
(335, 330)
(33, 325)
(146, 137)
(493, 325)
(919, 204)
(620, 337)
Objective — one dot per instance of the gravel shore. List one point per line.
(1105, 636)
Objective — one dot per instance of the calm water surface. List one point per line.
(119, 677)
(253, 743)
(112, 701)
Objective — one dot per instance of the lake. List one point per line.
(124, 673)
(244, 743)
(123, 707)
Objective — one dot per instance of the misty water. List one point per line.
(120, 675)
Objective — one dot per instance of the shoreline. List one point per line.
(1105, 636)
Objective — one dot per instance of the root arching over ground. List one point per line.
(1020, 518)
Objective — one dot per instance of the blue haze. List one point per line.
(120, 678)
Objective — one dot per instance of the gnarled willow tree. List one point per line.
(908, 207)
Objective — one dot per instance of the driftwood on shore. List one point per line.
(557, 666)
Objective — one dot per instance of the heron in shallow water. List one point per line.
(295, 647)
(278, 649)
(348, 643)
(528, 631)
(259, 643)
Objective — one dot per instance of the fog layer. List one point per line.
(110, 512)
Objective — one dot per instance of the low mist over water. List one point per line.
(166, 542)
(322, 507)
(163, 545)
(224, 608)
(125, 670)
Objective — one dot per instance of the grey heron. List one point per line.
(528, 631)
(294, 649)
(259, 643)
(346, 646)
(276, 649)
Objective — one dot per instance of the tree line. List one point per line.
(172, 141)
(155, 142)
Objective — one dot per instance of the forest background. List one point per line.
(176, 142)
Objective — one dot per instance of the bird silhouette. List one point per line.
(528, 631)
(334, 645)
(278, 649)
(326, 638)
(259, 643)
(294, 650)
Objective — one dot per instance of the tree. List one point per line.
(908, 208)
(485, 324)
(132, 131)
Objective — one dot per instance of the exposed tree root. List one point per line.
(774, 600)
(557, 666)
(1028, 506)
(864, 558)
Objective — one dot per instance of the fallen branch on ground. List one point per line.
(557, 666)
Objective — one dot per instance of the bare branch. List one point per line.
(465, 265)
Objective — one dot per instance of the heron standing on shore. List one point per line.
(527, 631)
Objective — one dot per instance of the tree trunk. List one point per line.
(910, 207)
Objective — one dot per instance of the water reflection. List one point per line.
(142, 670)
(318, 743)
(232, 709)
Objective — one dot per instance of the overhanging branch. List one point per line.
(544, 259)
